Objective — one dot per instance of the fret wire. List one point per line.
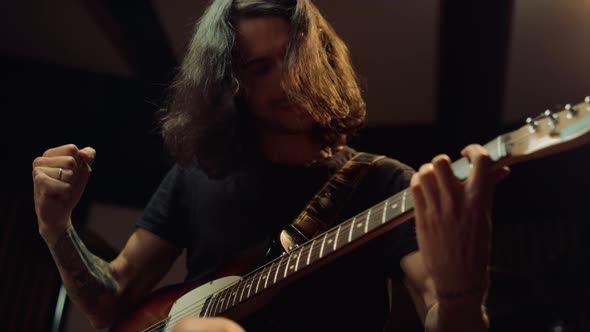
(248, 285)
(336, 237)
(358, 229)
(203, 311)
(268, 274)
(298, 257)
(329, 240)
(291, 265)
(259, 278)
(240, 291)
(367, 221)
(235, 293)
(323, 242)
(224, 295)
(214, 305)
(254, 278)
(310, 250)
(287, 266)
(211, 310)
(249, 288)
(207, 306)
(351, 228)
(374, 216)
(404, 201)
(358, 226)
(227, 297)
(243, 287)
(383, 220)
(278, 268)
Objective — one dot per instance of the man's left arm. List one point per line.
(460, 312)
(448, 276)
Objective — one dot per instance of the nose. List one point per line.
(279, 70)
(278, 74)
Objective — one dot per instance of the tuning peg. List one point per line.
(571, 111)
(533, 124)
(553, 118)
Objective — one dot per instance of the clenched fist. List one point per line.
(59, 179)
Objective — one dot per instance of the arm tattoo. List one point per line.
(91, 276)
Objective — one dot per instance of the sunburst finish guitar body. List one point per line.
(158, 311)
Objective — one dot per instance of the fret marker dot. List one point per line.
(359, 225)
(292, 267)
(330, 241)
(394, 206)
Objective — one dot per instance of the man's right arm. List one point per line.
(101, 289)
(88, 279)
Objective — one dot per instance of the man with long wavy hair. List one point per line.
(257, 121)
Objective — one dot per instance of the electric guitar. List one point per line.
(239, 296)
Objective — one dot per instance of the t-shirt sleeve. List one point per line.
(401, 240)
(165, 211)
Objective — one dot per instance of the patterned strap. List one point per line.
(323, 210)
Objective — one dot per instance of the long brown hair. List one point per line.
(204, 121)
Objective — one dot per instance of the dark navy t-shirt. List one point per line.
(217, 220)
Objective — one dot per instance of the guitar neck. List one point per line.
(341, 239)
(543, 135)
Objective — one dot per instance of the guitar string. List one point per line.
(196, 307)
(250, 278)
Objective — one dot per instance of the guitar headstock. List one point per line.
(549, 133)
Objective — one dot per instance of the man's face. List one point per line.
(262, 42)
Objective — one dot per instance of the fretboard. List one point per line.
(347, 235)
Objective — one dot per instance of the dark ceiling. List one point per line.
(542, 46)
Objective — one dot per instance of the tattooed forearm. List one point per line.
(88, 276)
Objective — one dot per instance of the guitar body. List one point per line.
(167, 305)
(173, 302)
(152, 310)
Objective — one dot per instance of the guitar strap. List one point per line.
(323, 210)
